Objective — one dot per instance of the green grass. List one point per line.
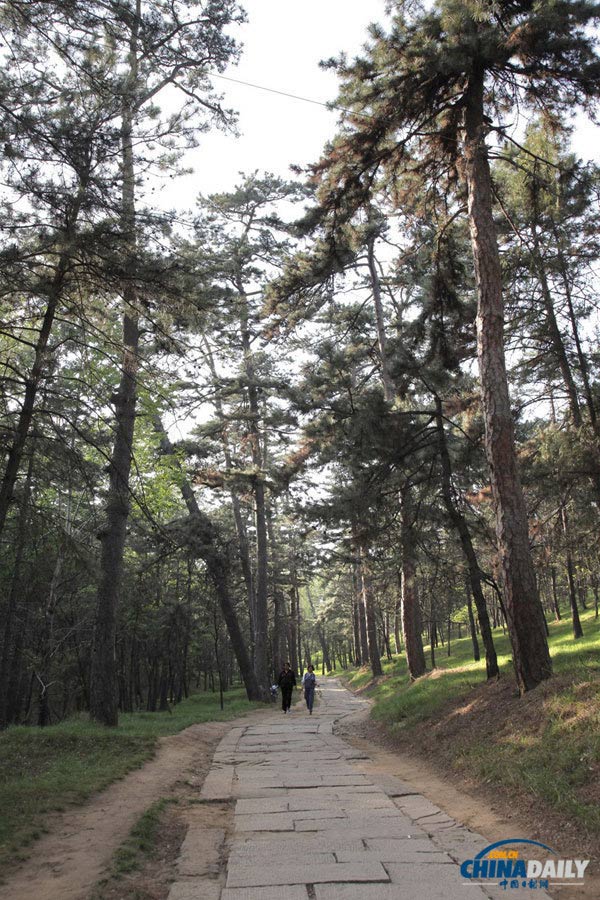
(141, 841)
(546, 745)
(45, 770)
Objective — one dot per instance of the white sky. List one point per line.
(284, 40)
(283, 43)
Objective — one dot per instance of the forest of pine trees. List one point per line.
(336, 417)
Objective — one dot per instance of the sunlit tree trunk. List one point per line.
(521, 600)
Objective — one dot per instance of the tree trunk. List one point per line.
(217, 570)
(577, 629)
(411, 619)
(13, 596)
(32, 383)
(460, 523)
(240, 526)
(279, 623)
(388, 384)
(473, 630)
(555, 594)
(356, 616)
(521, 600)
(103, 693)
(368, 604)
(103, 680)
(261, 617)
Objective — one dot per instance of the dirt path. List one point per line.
(66, 864)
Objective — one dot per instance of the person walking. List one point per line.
(287, 683)
(309, 683)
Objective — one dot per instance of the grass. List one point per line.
(141, 841)
(545, 745)
(45, 770)
(142, 844)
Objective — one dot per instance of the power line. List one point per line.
(261, 87)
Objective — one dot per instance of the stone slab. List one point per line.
(408, 854)
(366, 827)
(292, 892)
(394, 787)
(433, 881)
(418, 807)
(195, 889)
(261, 806)
(200, 851)
(363, 892)
(299, 873)
(271, 822)
(218, 784)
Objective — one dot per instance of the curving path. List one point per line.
(310, 820)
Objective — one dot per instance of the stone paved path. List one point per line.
(311, 822)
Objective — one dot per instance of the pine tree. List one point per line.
(422, 101)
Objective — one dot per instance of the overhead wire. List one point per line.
(262, 87)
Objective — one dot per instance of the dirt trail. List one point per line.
(66, 864)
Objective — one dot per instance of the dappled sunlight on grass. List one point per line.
(546, 743)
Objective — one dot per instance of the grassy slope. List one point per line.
(45, 770)
(546, 744)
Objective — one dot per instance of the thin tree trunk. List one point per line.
(14, 593)
(368, 603)
(581, 358)
(279, 624)
(356, 616)
(555, 593)
(217, 569)
(240, 526)
(521, 600)
(32, 384)
(320, 633)
(261, 618)
(460, 523)
(473, 630)
(577, 629)
(388, 384)
(411, 619)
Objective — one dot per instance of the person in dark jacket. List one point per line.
(309, 683)
(287, 683)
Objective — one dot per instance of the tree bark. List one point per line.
(368, 605)
(460, 523)
(216, 565)
(12, 601)
(240, 526)
(261, 617)
(279, 618)
(388, 384)
(411, 619)
(103, 681)
(577, 629)
(473, 630)
(521, 600)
